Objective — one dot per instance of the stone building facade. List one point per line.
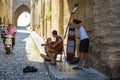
(106, 37)
(5, 11)
(10, 10)
(101, 19)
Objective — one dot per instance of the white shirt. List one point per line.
(1, 26)
(82, 33)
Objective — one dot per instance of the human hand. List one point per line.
(78, 37)
(53, 46)
(73, 13)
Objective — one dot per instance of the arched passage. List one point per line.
(20, 10)
(24, 19)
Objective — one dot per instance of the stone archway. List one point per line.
(18, 11)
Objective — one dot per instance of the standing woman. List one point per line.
(84, 43)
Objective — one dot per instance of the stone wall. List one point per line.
(5, 11)
(106, 37)
(101, 20)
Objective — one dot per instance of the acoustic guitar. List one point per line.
(59, 47)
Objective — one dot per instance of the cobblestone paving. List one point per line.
(24, 54)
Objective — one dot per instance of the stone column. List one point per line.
(55, 14)
(6, 11)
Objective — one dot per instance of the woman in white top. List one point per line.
(84, 44)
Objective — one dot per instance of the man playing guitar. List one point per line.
(56, 48)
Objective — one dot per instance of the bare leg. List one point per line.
(49, 51)
(45, 57)
(55, 56)
(81, 59)
(86, 60)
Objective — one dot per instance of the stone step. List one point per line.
(64, 71)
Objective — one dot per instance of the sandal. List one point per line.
(77, 68)
(33, 69)
(53, 63)
(46, 59)
(26, 69)
(86, 67)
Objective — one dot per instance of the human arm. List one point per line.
(77, 37)
(57, 43)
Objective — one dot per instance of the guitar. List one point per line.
(59, 47)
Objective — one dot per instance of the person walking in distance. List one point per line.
(11, 31)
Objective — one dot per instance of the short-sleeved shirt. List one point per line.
(59, 38)
(11, 32)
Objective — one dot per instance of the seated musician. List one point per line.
(47, 45)
(56, 48)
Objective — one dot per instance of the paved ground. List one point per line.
(24, 54)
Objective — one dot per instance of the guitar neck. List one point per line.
(43, 44)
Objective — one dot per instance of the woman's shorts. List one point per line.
(84, 45)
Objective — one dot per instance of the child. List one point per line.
(47, 45)
(47, 42)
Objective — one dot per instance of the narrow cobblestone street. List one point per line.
(24, 54)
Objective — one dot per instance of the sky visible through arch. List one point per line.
(24, 19)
